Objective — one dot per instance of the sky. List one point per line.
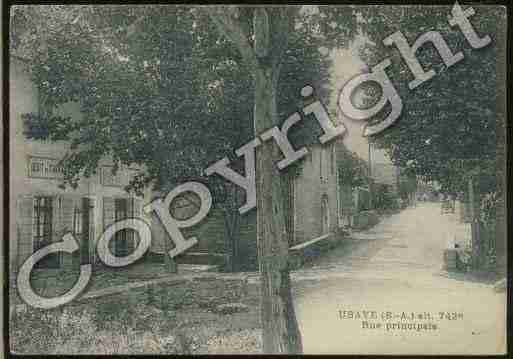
(347, 64)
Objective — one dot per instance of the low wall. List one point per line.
(304, 252)
(176, 292)
(365, 219)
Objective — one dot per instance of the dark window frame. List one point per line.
(124, 239)
(42, 226)
(42, 231)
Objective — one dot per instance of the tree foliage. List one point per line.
(157, 85)
(448, 127)
(352, 170)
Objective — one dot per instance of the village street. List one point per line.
(397, 267)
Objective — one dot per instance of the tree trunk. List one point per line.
(232, 229)
(280, 329)
(271, 30)
(232, 233)
(474, 203)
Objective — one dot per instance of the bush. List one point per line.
(384, 199)
(141, 321)
(50, 329)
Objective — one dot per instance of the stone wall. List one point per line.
(301, 254)
(365, 219)
(204, 291)
(317, 180)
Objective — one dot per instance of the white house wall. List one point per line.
(24, 99)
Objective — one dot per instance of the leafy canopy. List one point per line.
(157, 85)
(448, 127)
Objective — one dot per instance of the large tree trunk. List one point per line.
(280, 329)
(271, 28)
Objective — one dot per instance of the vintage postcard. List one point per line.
(257, 179)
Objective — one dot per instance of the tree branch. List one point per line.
(225, 19)
(282, 26)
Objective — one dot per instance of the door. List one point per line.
(122, 236)
(325, 215)
(82, 230)
(290, 209)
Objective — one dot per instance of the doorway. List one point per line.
(82, 230)
(325, 215)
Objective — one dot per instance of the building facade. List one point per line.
(41, 211)
(311, 206)
(315, 194)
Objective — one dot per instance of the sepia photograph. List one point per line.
(256, 179)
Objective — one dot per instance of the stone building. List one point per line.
(311, 205)
(41, 211)
(315, 200)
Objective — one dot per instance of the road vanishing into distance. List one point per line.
(386, 292)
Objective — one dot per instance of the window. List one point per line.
(40, 167)
(109, 179)
(42, 230)
(120, 179)
(77, 221)
(42, 222)
(325, 215)
(124, 240)
(82, 216)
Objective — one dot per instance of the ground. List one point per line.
(391, 269)
(397, 267)
(50, 283)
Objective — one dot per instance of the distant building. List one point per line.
(315, 194)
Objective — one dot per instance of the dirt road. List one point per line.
(386, 293)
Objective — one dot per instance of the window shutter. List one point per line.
(108, 216)
(108, 211)
(130, 207)
(62, 223)
(24, 217)
(158, 234)
(93, 205)
(57, 224)
(63, 207)
(137, 208)
(134, 211)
